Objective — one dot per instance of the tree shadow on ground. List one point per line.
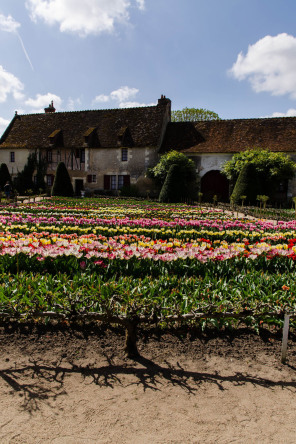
(38, 382)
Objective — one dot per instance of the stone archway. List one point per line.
(214, 183)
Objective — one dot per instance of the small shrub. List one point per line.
(129, 191)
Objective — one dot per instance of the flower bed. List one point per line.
(150, 263)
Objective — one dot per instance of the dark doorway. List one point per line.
(214, 183)
(78, 186)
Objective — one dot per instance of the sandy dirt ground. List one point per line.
(70, 386)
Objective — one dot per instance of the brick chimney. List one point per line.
(50, 108)
(163, 100)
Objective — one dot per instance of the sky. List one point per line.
(234, 57)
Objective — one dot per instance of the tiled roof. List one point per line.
(33, 130)
(231, 136)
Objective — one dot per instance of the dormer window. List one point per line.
(124, 137)
(124, 154)
(56, 138)
(91, 137)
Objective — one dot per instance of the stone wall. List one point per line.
(21, 157)
(208, 162)
(108, 161)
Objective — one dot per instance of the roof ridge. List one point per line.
(245, 118)
(89, 110)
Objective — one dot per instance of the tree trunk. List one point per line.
(131, 339)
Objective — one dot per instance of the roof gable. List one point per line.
(125, 137)
(56, 138)
(91, 138)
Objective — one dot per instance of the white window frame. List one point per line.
(113, 182)
(120, 181)
(124, 154)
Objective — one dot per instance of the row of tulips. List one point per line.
(125, 247)
(175, 259)
(92, 218)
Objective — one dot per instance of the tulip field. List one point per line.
(157, 263)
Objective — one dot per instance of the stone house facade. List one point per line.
(108, 149)
(102, 149)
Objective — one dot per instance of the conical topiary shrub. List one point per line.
(174, 188)
(62, 185)
(247, 184)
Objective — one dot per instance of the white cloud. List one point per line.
(42, 101)
(290, 113)
(9, 84)
(141, 4)
(3, 125)
(102, 98)
(134, 104)
(124, 93)
(119, 95)
(269, 65)
(83, 17)
(8, 24)
(122, 96)
(73, 104)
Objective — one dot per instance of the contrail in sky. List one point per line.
(8, 24)
(24, 49)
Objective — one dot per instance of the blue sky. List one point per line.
(234, 57)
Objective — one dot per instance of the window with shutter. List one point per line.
(107, 181)
(120, 182)
(49, 180)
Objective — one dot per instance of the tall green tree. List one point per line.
(271, 168)
(24, 179)
(183, 167)
(40, 174)
(193, 115)
(4, 175)
(62, 185)
(168, 159)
